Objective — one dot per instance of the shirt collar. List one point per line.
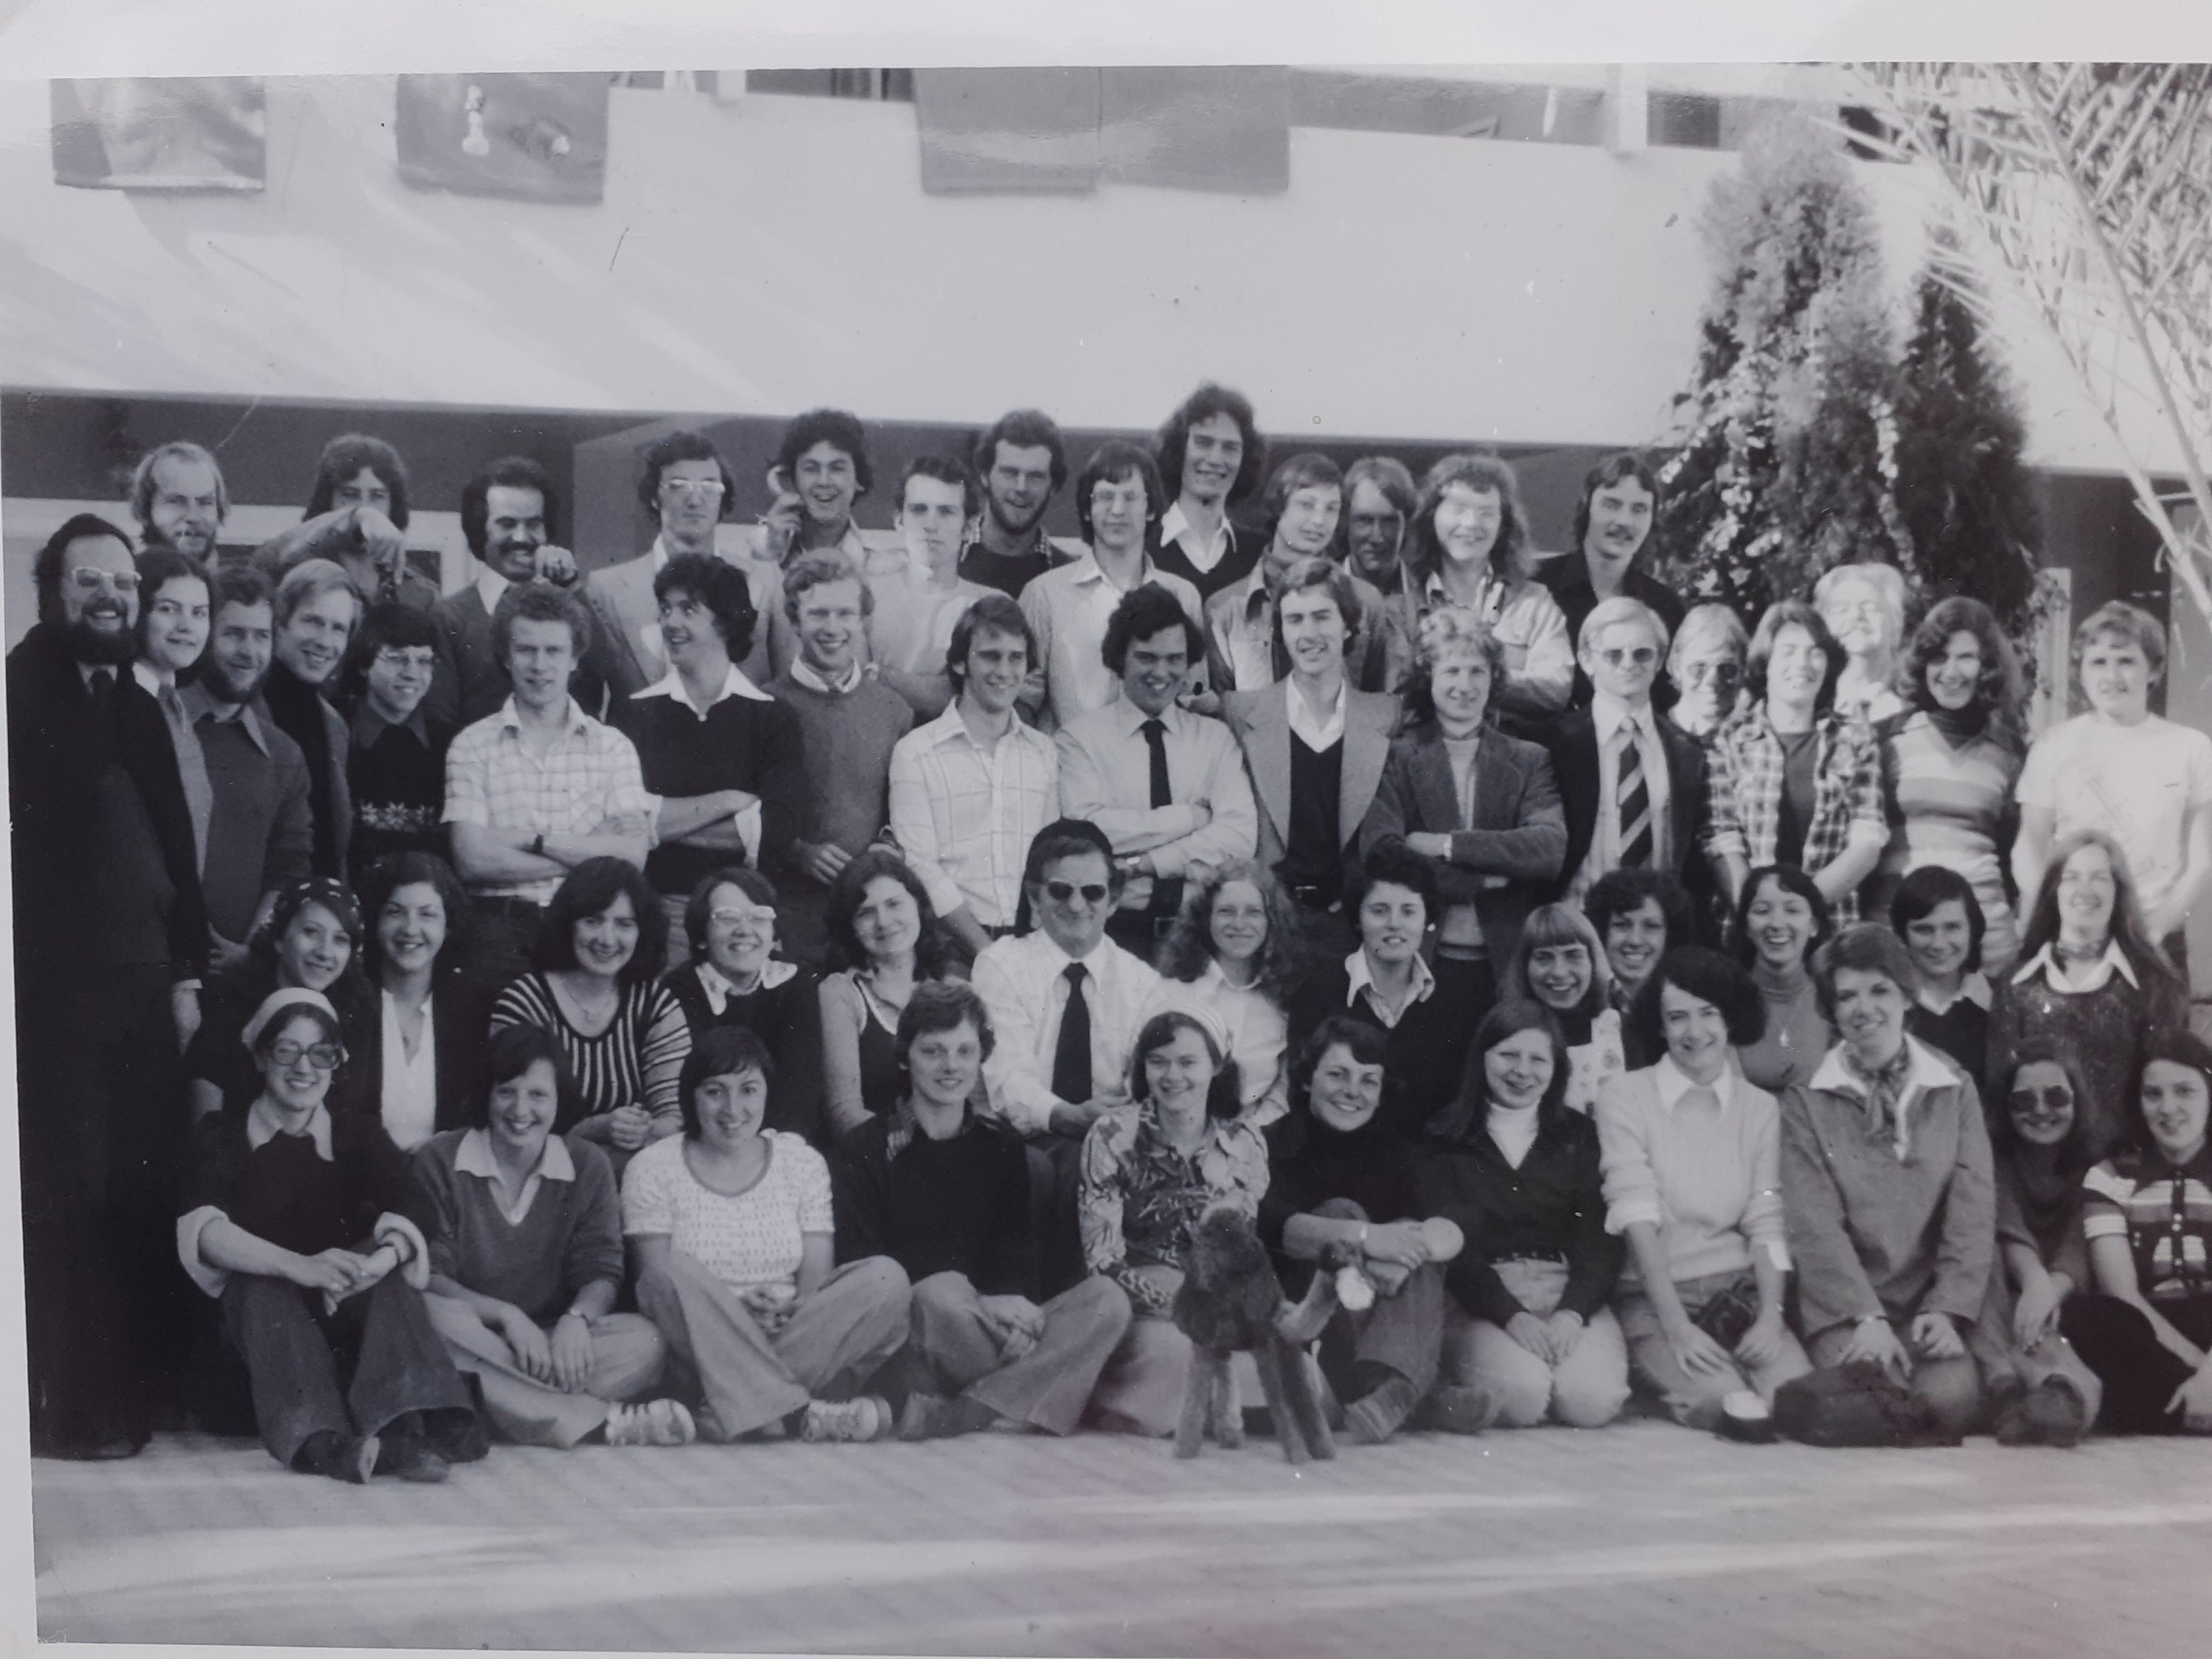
(152, 678)
(735, 685)
(1319, 732)
(1131, 718)
(773, 972)
(1674, 1082)
(199, 703)
(2082, 980)
(1356, 969)
(1974, 988)
(577, 721)
(263, 1123)
(1608, 712)
(1927, 1072)
(368, 725)
(1175, 525)
(473, 1157)
(1086, 571)
(803, 673)
(491, 586)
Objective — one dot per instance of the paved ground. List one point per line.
(1643, 1539)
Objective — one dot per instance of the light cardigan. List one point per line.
(1702, 1164)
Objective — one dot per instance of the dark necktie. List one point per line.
(1632, 801)
(1071, 1055)
(1166, 892)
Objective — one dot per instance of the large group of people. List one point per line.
(803, 981)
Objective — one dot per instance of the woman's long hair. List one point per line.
(1999, 693)
(1509, 554)
(932, 950)
(2144, 954)
(1465, 1117)
(1189, 944)
(2071, 1154)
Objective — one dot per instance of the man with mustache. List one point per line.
(507, 514)
(177, 494)
(1613, 525)
(111, 942)
(1023, 463)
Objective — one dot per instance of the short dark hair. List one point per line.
(941, 1005)
(931, 951)
(2178, 1046)
(510, 1051)
(1064, 838)
(1708, 976)
(684, 445)
(239, 584)
(1144, 610)
(752, 884)
(839, 429)
(395, 624)
(1315, 570)
(1224, 1095)
(1925, 889)
(47, 567)
(1204, 404)
(1617, 892)
(1865, 947)
(394, 871)
(1790, 879)
(1479, 471)
(351, 989)
(539, 602)
(945, 469)
(1023, 428)
(994, 613)
(1400, 866)
(1112, 462)
(1309, 470)
(508, 472)
(1464, 1114)
(1999, 690)
(811, 570)
(1369, 1045)
(1627, 464)
(1779, 615)
(722, 588)
(720, 1051)
(157, 568)
(342, 461)
(584, 891)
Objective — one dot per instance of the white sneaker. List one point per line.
(656, 1423)
(863, 1418)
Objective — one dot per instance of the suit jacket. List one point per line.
(623, 609)
(1576, 765)
(459, 1010)
(1519, 831)
(1261, 721)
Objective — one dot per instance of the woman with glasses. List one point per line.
(307, 1228)
(396, 755)
(884, 929)
(1234, 952)
(734, 977)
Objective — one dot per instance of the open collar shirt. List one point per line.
(2077, 981)
(589, 775)
(964, 812)
(1746, 763)
(1204, 552)
(1360, 982)
(474, 1157)
(1927, 1070)
(1067, 609)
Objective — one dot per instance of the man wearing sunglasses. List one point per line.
(1631, 783)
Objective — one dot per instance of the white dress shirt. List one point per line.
(409, 1103)
(1317, 733)
(1609, 715)
(1362, 978)
(1067, 609)
(1022, 983)
(1105, 775)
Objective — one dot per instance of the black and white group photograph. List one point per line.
(1206, 858)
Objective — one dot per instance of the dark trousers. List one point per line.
(1326, 938)
(351, 1371)
(1055, 1176)
(2139, 1373)
(1402, 1331)
(1141, 932)
(100, 1123)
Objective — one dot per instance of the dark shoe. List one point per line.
(936, 1417)
(458, 1434)
(2056, 1413)
(1375, 1416)
(340, 1456)
(408, 1454)
(1745, 1416)
(2007, 1398)
(1457, 1408)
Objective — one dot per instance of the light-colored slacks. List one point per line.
(628, 1357)
(1585, 1391)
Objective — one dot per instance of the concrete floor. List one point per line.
(1643, 1539)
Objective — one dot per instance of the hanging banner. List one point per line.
(1197, 129)
(175, 133)
(534, 137)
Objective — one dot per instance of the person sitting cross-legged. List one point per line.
(527, 1259)
(947, 1196)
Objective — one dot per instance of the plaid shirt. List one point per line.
(589, 775)
(1744, 774)
(964, 815)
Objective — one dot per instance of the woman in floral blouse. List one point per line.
(1149, 1169)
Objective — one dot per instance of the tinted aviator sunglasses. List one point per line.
(1094, 892)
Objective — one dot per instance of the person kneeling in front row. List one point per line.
(733, 1236)
(947, 1196)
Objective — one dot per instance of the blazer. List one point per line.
(459, 1012)
(1261, 722)
(1520, 832)
(623, 608)
(1576, 765)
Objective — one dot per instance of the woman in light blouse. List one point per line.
(1234, 950)
(1691, 1156)
(881, 923)
(420, 1073)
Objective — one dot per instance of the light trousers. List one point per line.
(628, 1357)
(1694, 1398)
(952, 1351)
(1585, 1390)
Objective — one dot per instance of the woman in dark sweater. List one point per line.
(1518, 1174)
(307, 1229)
(1338, 1175)
(1941, 923)
(734, 977)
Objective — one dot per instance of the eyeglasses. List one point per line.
(697, 489)
(421, 661)
(322, 1056)
(89, 580)
(1714, 674)
(2053, 1097)
(1642, 656)
(740, 918)
(1094, 892)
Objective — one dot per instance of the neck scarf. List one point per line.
(1885, 1088)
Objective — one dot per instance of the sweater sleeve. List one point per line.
(1964, 1252)
(1832, 1283)
(1764, 1221)
(842, 1014)
(434, 1175)
(1631, 1190)
(1470, 1278)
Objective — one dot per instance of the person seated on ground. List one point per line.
(1640, 914)
(2091, 980)
(1151, 1168)
(732, 1238)
(2040, 1390)
(1887, 1187)
(734, 977)
(1705, 665)
(395, 756)
(1387, 984)
(1234, 950)
(2147, 1330)
(526, 1259)
(1781, 920)
(1561, 965)
(307, 1226)
(1338, 1174)
(1863, 606)
(1517, 1173)
(310, 942)
(1692, 1180)
(596, 986)
(356, 518)
(1481, 807)
(1936, 912)
(417, 1073)
(947, 1196)
(885, 933)
(1791, 780)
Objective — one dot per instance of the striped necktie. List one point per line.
(1631, 801)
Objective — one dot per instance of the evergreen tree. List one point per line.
(1783, 463)
(1962, 485)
